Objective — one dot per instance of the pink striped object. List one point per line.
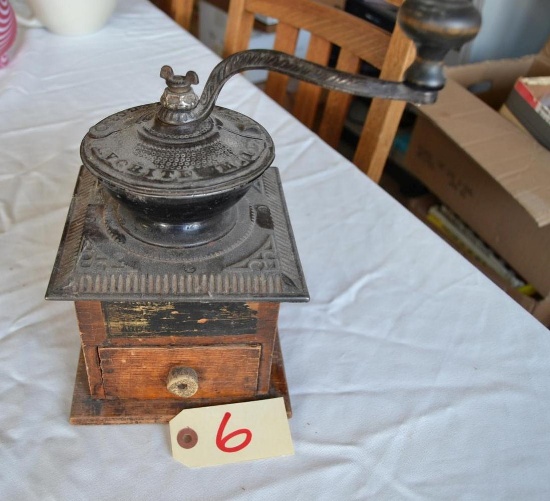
(8, 30)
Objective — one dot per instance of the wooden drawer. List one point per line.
(142, 372)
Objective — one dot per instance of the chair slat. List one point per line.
(308, 95)
(366, 40)
(337, 105)
(239, 28)
(383, 118)
(286, 38)
(182, 12)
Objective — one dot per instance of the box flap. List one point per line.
(510, 156)
(491, 81)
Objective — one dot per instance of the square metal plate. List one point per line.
(257, 260)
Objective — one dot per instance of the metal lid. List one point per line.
(153, 150)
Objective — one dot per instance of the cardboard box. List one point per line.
(494, 176)
(538, 307)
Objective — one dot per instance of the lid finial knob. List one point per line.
(179, 94)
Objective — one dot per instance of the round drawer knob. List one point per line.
(182, 381)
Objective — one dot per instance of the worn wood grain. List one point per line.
(91, 322)
(265, 319)
(156, 319)
(166, 326)
(279, 386)
(142, 373)
(268, 315)
(88, 410)
(93, 369)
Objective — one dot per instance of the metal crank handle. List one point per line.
(435, 26)
(292, 66)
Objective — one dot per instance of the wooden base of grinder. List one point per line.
(88, 410)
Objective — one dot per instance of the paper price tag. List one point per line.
(231, 433)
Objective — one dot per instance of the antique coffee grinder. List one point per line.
(178, 250)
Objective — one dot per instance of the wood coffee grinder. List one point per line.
(178, 250)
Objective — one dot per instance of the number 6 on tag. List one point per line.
(231, 433)
(221, 440)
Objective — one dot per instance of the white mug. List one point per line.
(69, 17)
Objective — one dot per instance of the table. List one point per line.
(411, 375)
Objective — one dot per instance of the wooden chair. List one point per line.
(181, 11)
(358, 40)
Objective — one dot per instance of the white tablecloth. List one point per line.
(411, 375)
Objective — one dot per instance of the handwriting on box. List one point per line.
(459, 185)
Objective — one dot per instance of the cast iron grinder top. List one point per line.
(177, 178)
(179, 166)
